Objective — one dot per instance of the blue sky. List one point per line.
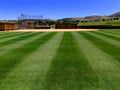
(55, 9)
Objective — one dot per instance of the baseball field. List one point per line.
(88, 60)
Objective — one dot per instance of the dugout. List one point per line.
(4, 26)
(66, 26)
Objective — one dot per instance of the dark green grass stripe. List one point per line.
(108, 40)
(12, 41)
(10, 47)
(105, 66)
(11, 59)
(108, 36)
(69, 70)
(112, 34)
(3, 33)
(106, 47)
(6, 33)
(113, 31)
(12, 35)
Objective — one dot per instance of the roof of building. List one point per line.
(7, 22)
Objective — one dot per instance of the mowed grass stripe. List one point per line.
(69, 70)
(31, 73)
(13, 36)
(112, 31)
(106, 39)
(6, 34)
(14, 40)
(2, 33)
(10, 35)
(111, 49)
(21, 43)
(111, 36)
(13, 58)
(105, 66)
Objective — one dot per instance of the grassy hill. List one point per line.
(114, 22)
(117, 14)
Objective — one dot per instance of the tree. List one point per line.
(68, 21)
(103, 19)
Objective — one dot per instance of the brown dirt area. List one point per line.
(53, 30)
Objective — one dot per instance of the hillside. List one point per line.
(115, 14)
(114, 22)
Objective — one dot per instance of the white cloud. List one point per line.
(95, 14)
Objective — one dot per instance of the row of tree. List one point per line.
(69, 21)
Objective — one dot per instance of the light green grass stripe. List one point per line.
(113, 31)
(114, 37)
(31, 73)
(4, 33)
(108, 40)
(12, 37)
(106, 67)
(1, 33)
(11, 41)
(107, 33)
(111, 49)
(11, 59)
(10, 47)
(7, 34)
(69, 70)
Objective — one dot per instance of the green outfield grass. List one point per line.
(60, 60)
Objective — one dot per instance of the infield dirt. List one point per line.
(53, 30)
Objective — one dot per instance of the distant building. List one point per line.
(28, 23)
(31, 22)
(5, 26)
